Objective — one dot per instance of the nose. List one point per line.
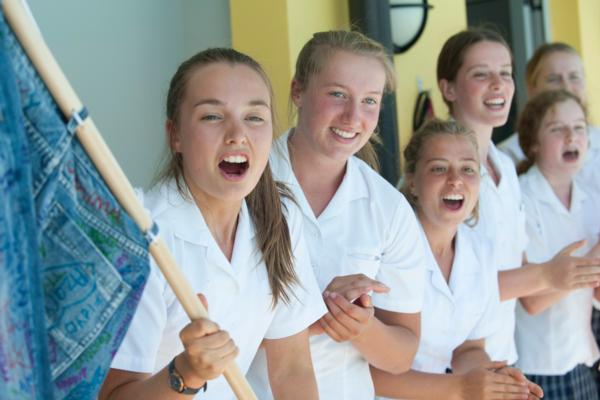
(497, 81)
(236, 132)
(454, 178)
(351, 113)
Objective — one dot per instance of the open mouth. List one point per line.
(495, 103)
(570, 155)
(453, 202)
(344, 134)
(234, 166)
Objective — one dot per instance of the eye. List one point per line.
(553, 79)
(480, 74)
(580, 128)
(438, 169)
(370, 101)
(211, 117)
(338, 94)
(255, 118)
(574, 78)
(506, 74)
(469, 170)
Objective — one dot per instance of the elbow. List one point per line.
(531, 307)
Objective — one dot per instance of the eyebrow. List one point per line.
(446, 160)
(487, 66)
(216, 102)
(330, 84)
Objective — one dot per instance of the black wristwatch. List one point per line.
(177, 383)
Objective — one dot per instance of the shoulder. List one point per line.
(378, 188)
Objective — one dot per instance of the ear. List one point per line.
(448, 90)
(296, 92)
(173, 136)
(410, 184)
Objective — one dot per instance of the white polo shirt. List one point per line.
(238, 292)
(368, 227)
(558, 339)
(463, 309)
(502, 222)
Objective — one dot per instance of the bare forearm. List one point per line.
(153, 387)
(523, 281)
(469, 359)
(390, 348)
(537, 303)
(416, 385)
(296, 384)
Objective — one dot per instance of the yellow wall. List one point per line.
(577, 22)
(446, 18)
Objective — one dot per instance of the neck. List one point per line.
(221, 217)
(441, 242)
(561, 185)
(483, 133)
(319, 188)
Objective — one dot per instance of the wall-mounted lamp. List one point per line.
(408, 19)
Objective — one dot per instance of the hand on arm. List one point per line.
(564, 273)
(291, 374)
(208, 350)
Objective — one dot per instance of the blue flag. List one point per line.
(73, 264)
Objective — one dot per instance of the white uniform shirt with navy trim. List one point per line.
(559, 338)
(465, 308)
(238, 292)
(368, 227)
(502, 222)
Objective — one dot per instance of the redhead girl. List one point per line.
(554, 336)
(461, 290)
(475, 77)
(366, 248)
(553, 66)
(222, 216)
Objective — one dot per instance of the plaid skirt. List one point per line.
(577, 384)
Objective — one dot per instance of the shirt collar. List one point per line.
(185, 219)
(354, 186)
(540, 188)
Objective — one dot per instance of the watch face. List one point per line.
(176, 383)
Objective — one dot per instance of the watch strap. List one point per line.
(178, 384)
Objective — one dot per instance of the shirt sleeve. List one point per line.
(138, 350)
(402, 265)
(306, 303)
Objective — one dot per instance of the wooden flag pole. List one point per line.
(87, 133)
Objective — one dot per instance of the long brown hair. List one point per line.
(264, 202)
(414, 151)
(452, 55)
(530, 122)
(321, 47)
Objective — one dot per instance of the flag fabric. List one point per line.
(74, 264)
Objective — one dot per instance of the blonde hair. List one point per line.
(414, 151)
(534, 64)
(530, 122)
(264, 202)
(319, 49)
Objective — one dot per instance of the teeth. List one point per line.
(344, 134)
(235, 159)
(454, 197)
(494, 102)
